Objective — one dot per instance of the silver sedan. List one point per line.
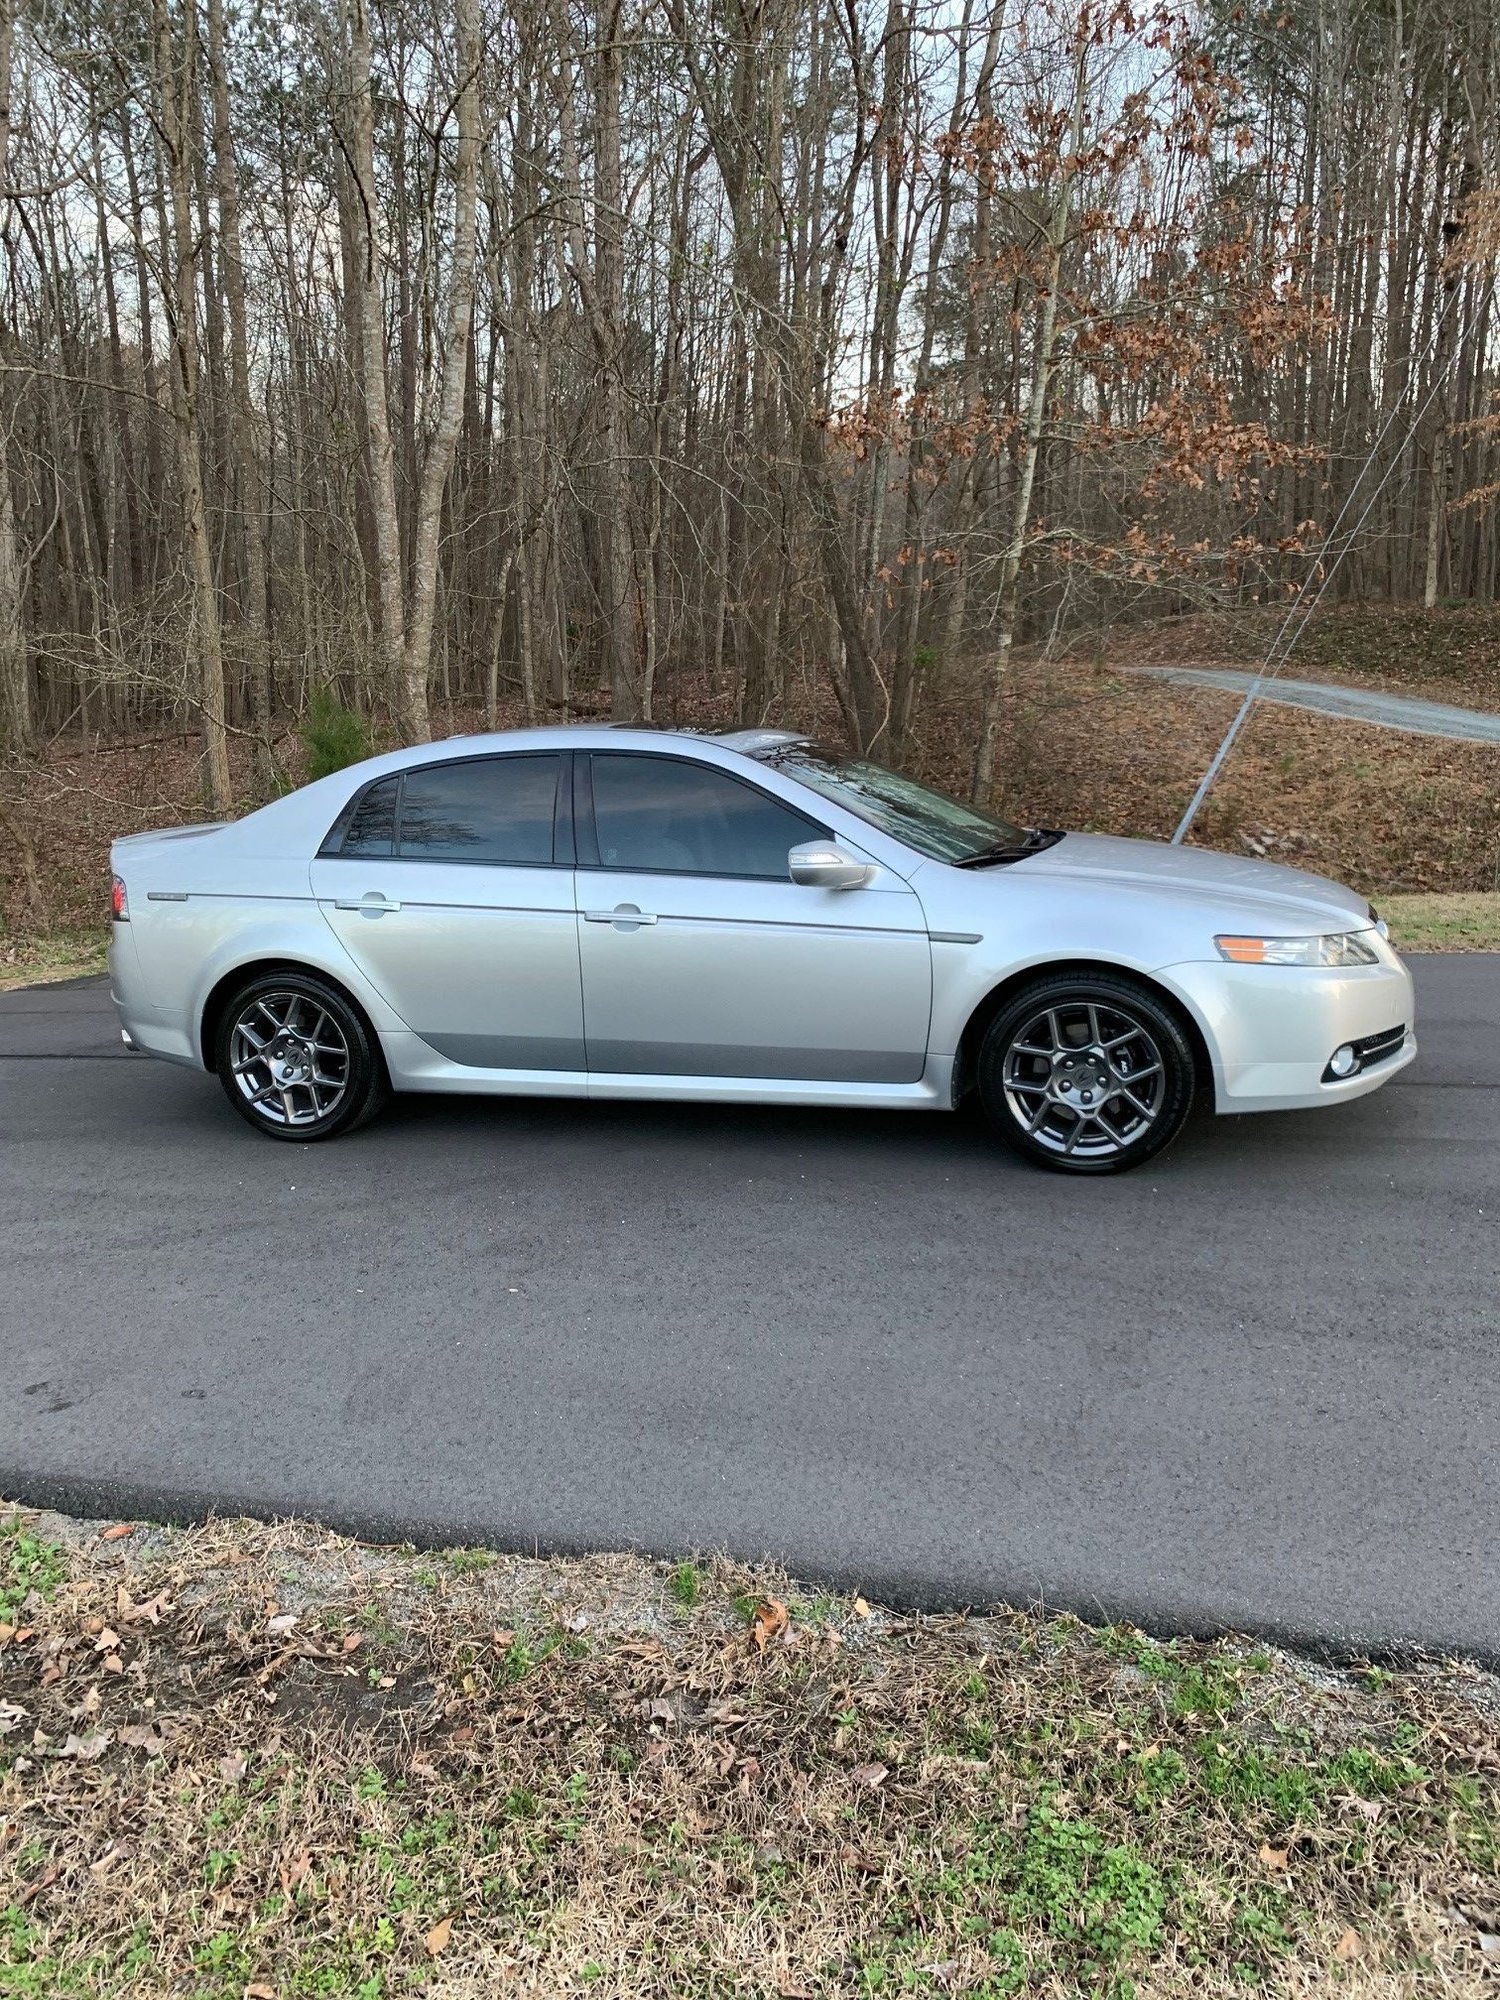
(751, 918)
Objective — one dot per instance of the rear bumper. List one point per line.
(1271, 1030)
(149, 1030)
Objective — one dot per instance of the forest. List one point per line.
(521, 359)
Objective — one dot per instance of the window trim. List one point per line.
(562, 814)
(587, 824)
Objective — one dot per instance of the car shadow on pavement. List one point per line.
(916, 1140)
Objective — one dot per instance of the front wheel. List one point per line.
(296, 1060)
(1086, 1074)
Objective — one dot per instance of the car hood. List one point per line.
(1300, 902)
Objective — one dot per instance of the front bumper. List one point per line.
(1271, 1030)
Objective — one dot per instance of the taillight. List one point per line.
(119, 909)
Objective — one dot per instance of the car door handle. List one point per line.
(625, 915)
(372, 905)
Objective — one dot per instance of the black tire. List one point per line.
(1086, 1073)
(322, 1074)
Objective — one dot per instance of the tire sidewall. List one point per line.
(1171, 1039)
(367, 1083)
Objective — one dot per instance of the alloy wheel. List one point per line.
(289, 1059)
(1085, 1079)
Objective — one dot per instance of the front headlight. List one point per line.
(1344, 948)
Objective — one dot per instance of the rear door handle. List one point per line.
(371, 905)
(625, 916)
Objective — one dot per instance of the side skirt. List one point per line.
(415, 1065)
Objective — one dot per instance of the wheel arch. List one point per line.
(228, 984)
(966, 1061)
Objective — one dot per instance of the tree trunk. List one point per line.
(1044, 368)
(17, 722)
(390, 613)
(180, 282)
(247, 484)
(438, 460)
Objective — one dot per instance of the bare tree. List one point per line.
(16, 721)
(768, 359)
(175, 126)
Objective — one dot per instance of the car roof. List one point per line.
(751, 742)
(572, 735)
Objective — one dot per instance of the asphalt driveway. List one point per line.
(1254, 1384)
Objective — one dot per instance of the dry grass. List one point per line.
(245, 1761)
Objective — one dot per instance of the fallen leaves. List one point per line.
(770, 1620)
(118, 1532)
(144, 1736)
(294, 1872)
(829, 1769)
(86, 1748)
(37, 1883)
(149, 1610)
(859, 1861)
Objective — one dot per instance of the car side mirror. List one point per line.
(821, 865)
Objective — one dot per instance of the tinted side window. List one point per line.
(493, 809)
(372, 823)
(689, 819)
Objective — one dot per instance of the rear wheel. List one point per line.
(296, 1060)
(1086, 1074)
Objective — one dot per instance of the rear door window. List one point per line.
(494, 809)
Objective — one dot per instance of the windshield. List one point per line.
(931, 822)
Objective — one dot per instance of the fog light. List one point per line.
(1344, 1061)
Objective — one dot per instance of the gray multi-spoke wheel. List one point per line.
(296, 1059)
(1086, 1074)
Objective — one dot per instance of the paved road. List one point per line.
(1254, 1385)
(1351, 704)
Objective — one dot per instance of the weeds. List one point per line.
(995, 1807)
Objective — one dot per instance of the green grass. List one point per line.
(1442, 923)
(687, 1584)
(27, 1563)
(42, 961)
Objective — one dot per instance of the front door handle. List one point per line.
(624, 916)
(371, 905)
